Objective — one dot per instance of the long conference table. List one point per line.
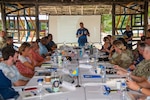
(92, 88)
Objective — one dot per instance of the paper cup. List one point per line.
(47, 79)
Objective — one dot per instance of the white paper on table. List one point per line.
(39, 69)
(84, 61)
(85, 66)
(68, 85)
(97, 45)
(65, 71)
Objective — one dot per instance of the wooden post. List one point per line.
(18, 28)
(3, 16)
(113, 18)
(37, 20)
(145, 16)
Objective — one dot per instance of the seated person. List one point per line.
(6, 90)
(109, 37)
(138, 86)
(53, 48)
(8, 68)
(50, 42)
(124, 42)
(107, 45)
(111, 51)
(122, 56)
(141, 47)
(9, 42)
(24, 71)
(34, 51)
(142, 70)
(25, 57)
(42, 47)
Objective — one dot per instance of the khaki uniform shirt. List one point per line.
(142, 69)
(124, 59)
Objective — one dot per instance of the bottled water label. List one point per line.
(55, 85)
(118, 85)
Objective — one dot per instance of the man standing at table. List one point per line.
(82, 34)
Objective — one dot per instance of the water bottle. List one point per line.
(40, 88)
(81, 52)
(65, 62)
(91, 50)
(103, 73)
(55, 82)
(59, 60)
(123, 90)
(55, 57)
(96, 54)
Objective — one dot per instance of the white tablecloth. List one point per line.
(90, 90)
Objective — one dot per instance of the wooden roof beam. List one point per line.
(55, 10)
(70, 10)
(95, 10)
(81, 10)
(130, 8)
(18, 9)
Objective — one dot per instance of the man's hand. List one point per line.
(132, 85)
(132, 67)
(117, 67)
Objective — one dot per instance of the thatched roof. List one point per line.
(71, 7)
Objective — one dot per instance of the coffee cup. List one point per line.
(47, 79)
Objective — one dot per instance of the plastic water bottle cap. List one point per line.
(40, 80)
(123, 84)
(101, 66)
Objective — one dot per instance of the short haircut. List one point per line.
(106, 38)
(23, 46)
(7, 52)
(9, 38)
(81, 22)
(38, 40)
(119, 44)
(142, 45)
(108, 35)
(44, 39)
(49, 35)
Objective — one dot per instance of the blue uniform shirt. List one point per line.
(83, 38)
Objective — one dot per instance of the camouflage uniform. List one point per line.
(142, 69)
(124, 59)
(2, 42)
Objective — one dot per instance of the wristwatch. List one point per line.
(140, 89)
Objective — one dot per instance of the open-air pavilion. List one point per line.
(129, 12)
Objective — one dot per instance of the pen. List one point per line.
(114, 90)
(33, 88)
(33, 92)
